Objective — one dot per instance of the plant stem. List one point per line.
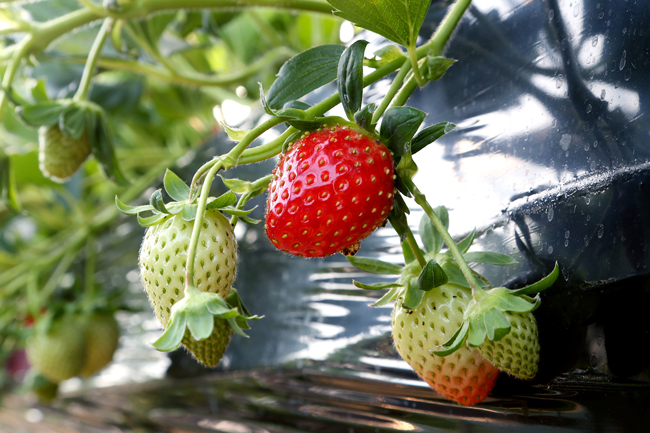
(439, 40)
(93, 55)
(90, 292)
(413, 55)
(405, 93)
(196, 229)
(465, 269)
(10, 73)
(415, 248)
(392, 91)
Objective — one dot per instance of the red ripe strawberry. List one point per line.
(331, 189)
(463, 376)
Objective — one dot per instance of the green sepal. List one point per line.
(43, 113)
(389, 297)
(436, 66)
(237, 212)
(456, 276)
(363, 117)
(407, 252)
(397, 218)
(398, 126)
(541, 285)
(464, 245)
(303, 73)
(413, 295)
(406, 168)
(156, 201)
(173, 335)
(489, 258)
(517, 304)
(39, 91)
(429, 234)
(455, 342)
(432, 276)
(131, 210)
(374, 266)
(430, 134)
(292, 138)
(189, 212)
(152, 220)
(175, 187)
(223, 201)
(234, 133)
(350, 77)
(387, 54)
(248, 220)
(252, 189)
(265, 103)
(477, 332)
(378, 286)
(73, 121)
(497, 324)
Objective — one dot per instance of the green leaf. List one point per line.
(398, 126)
(175, 187)
(42, 114)
(292, 138)
(223, 201)
(430, 236)
(378, 286)
(374, 266)
(432, 276)
(541, 285)
(189, 212)
(304, 73)
(397, 20)
(248, 220)
(265, 103)
(363, 117)
(300, 105)
(489, 258)
(350, 77)
(464, 245)
(436, 66)
(173, 335)
(430, 134)
(200, 324)
(455, 342)
(397, 217)
(73, 121)
(413, 295)
(152, 220)
(388, 297)
(156, 201)
(131, 210)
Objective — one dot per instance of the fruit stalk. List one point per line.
(91, 62)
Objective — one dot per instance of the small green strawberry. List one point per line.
(59, 352)
(101, 335)
(464, 376)
(60, 155)
(162, 260)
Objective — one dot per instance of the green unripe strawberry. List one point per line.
(59, 353)
(162, 265)
(518, 352)
(101, 334)
(59, 154)
(463, 376)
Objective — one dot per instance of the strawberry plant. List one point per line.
(336, 180)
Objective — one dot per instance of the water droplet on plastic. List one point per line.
(601, 231)
(588, 108)
(550, 250)
(558, 81)
(586, 241)
(603, 94)
(576, 10)
(551, 14)
(588, 217)
(628, 74)
(550, 213)
(565, 141)
(601, 15)
(593, 361)
(587, 200)
(621, 63)
(594, 41)
(586, 146)
(567, 234)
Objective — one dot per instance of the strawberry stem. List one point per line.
(91, 62)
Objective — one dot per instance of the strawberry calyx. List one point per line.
(485, 317)
(196, 313)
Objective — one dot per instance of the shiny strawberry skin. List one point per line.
(330, 190)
